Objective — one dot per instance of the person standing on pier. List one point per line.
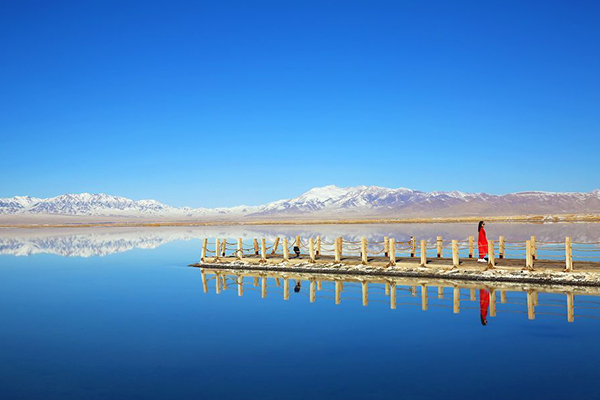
(482, 243)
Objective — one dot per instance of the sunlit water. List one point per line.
(118, 314)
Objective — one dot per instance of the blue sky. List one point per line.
(223, 103)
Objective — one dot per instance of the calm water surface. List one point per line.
(117, 314)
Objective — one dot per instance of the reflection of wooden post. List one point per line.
(277, 282)
(318, 246)
(440, 292)
(240, 249)
(528, 259)
(255, 282)
(263, 250)
(492, 303)
(312, 290)
(501, 247)
(218, 283)
(263, 287)
(423, 253)
(392, 251)
(217, 249)
(311, 250)
(255, 246)
(568, 255)
(286, 250)
(240, 282)
(365, 293)
(275, 246)
(393, 295)
(440, 247)
(319, 286)
(424, 299)
(503, 296)
(386, 247)
(224, 277)
(413, 291)
(387, 289)
(455, 259)
(570, 307)
(456, 300)
(204, 246)
(286, 285)
(473, 295)
(491, 254)
(471, 240)
(413, 246)
(338, 249)
(363, 250)
(204, 283)
(533, 248)
(530, 305)
(338, 292)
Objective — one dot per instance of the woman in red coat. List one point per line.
(482, 243)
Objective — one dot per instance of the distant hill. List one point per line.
(322, 202)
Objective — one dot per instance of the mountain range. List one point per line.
(321, 202)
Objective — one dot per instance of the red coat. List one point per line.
(482, 243)
(484, 302)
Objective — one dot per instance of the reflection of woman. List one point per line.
(484, 302)
(482, 243)
(298, 286)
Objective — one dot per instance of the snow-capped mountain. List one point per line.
(327, 201)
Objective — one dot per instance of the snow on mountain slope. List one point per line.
(327, 201)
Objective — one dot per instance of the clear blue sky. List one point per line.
(222, 103)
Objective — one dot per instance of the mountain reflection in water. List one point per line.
(88, 242)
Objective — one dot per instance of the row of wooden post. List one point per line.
(314, 247)
(390, 290)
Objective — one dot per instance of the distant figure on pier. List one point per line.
(484, 302)
(298, 286)
(482, 243)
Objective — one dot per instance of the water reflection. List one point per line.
(529, 300)
(87, 242)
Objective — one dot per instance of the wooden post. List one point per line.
(455, 259)
(492, 303)
(204, 282)
(491, 254)
(440, 292)
(286, 250)
(413, 246)
(424, 299)
(503, 296)
(533, 248)
(471, 247)
(275, 246)
(204, 246)
(263, 287)
(240, 283)
(286, 286)
(217, 249)
(456, 300)
(393, 295)
(440, 247)
(363, 250)
(311, 250)
(570, 307)
(528, 258)
(318, 246)
(568, 255)
(392, 251)
(255, 247)
(312, 290)
(240, 249)
(338, 292)
(386, 247)
(365, 293)
(297, 241)
(423, 253)
(263, 250)
(502, 247)
(530, 305)
(338, 249)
